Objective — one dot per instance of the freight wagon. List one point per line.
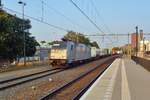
(93, 52)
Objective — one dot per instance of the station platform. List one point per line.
(122, 80)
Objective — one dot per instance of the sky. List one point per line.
(112, 16)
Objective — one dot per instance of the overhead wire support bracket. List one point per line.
(91, 21)
(38, 20)
(85, 15)
(42, 19)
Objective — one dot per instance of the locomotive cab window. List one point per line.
(61, 45)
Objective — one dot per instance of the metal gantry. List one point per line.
(128, 35)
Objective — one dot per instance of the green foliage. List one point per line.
(43, 42)
(72, 36)
(53, 42)
(12, 37)
(78, 37)
(94, 44)
(31, 44)
(49, 43)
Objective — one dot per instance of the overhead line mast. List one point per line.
(99, 15)
(0, 3)
(61, 14)
(91, 21)
(113, 34)
(42, 10)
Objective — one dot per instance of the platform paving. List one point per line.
(123, 80)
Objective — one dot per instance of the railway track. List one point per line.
(82, 91)
(23, 79)
(52, 95)
(8, 83)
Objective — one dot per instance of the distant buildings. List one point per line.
(42, 53)
(134, 40)
(144, 46)
(126, 49)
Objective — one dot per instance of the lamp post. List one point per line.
(24, 38)
(137, 40)
(143, 46)
(0, 3)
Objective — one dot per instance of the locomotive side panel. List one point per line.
(82, 52)
(70, 52)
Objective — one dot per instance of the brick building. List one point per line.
(134, 40)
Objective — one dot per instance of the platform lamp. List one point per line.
(137, 40)
(143, 46)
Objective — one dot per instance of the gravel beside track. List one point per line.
(19, 73)
(21, 80)
(38, 88)
(73, 89)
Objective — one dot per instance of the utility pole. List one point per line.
(42, 10)
(136, 40)
(77, 37)
(128, 45)
(24, 38)
(143, 46)
(0, 4)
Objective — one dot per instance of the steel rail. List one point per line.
(78, 96)
(54, 92)
(13, 82)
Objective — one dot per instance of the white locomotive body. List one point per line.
(68, 52)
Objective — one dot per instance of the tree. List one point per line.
(79, 37)
(94, 44)
(43, 42)
(31, 44)
(72, 36)
(11, 37)
(51, 43)
(76, 37)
